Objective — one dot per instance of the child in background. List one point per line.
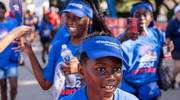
(45, 30)
(101, 66)
(142, 52)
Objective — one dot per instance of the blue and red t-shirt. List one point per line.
(54, 59)
(142, 57)
(5, 28)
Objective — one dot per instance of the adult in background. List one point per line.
(8, 65)
(142, 52)
(54, 17)
(173, 33)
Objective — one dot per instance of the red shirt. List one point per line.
(54, 17)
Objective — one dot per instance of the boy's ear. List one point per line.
(81, 70)
(91, 21)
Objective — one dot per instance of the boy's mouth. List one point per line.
(108, 88)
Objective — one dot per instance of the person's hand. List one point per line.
(71, 66)
(131, 35)
(19, 31)
(170, 44)
(26, 48)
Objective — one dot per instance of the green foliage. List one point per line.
(170, 14)
(124, 5)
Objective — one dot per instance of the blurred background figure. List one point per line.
(8, 58)
(35, 19)
(54, 17)
(45, 29)
(173, 33)
(45, 10)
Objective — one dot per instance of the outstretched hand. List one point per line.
(21, 30)
(26, 47)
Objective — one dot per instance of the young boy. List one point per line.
(101, 66)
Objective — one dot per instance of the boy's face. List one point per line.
(103, 76)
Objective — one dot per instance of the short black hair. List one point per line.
(2, 6)
(83, 56)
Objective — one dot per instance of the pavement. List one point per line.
(29, 89)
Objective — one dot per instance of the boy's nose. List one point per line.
(111, 78)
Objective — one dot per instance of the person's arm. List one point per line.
(37, 69)
(169, 31)
(170, 44)
(15, 33)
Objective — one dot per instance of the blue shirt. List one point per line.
(28, 19)
(173, 32)
(142, 56)
(55, 58)
(81, 95)
(61, 34)
(5, 28)
(45, 29)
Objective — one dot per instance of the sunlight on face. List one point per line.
(103, 76)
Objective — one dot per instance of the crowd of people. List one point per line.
(103, 67)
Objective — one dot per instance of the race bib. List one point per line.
(47, 32)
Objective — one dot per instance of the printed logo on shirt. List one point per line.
(68, 89)
(3, 32)
(46, 31)
(146, 61)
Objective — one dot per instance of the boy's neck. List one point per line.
(93, 96)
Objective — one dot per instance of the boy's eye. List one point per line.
(117, 69)
(100, 69)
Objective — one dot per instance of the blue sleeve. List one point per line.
(41, 27)
(50, 26)
(13, 24)
(50, 67)
(169, 29)
(61, 33)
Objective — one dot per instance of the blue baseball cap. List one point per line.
(102, 46)
(79, 9)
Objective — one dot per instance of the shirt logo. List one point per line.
(108, 43)
(146, 61)
(3, 32)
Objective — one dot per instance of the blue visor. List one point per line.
(102, 46)
(79, 9)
